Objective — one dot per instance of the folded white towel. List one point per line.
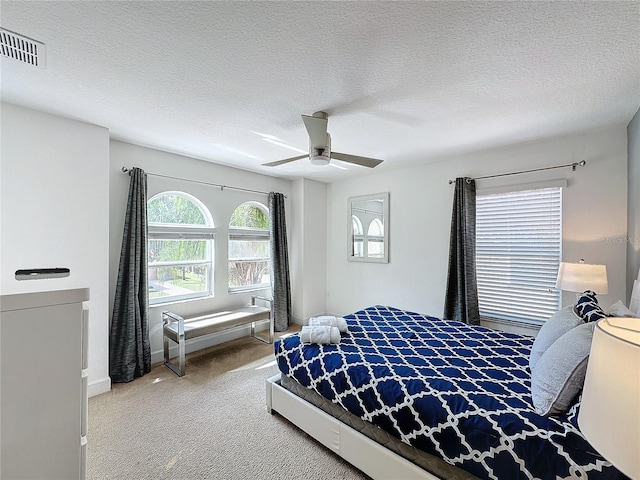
(320, 334)
(329, 320)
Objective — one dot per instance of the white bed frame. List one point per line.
(359, 450)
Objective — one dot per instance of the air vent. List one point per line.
(21, 48)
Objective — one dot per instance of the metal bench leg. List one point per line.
(258, 337)
(179, 370)
(271, 324)
(253, 324)
(165, 347)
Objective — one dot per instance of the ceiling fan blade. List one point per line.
(286, 160)
(317, 129)
(364, 161)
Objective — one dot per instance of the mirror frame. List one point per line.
(384, 196)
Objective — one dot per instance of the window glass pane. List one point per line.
(178, 281)
(375, 247)
(245, 273)
(375, 228)
(375, 239)
(180, 263)
(249, 247)
(173, 208)
(177, 250)
(249, 216)
(248, 262)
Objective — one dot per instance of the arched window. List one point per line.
(249, 248)
(358, 236)
(181, 234)
(375, 239)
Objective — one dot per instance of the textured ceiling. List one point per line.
(407, 82)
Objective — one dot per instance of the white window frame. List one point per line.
(519, 287)
(240, 233)
(162, 231)
(358, 243)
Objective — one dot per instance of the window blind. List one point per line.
(518, 251)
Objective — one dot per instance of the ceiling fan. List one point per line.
(320, 146)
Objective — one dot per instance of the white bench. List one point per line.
(179, 329)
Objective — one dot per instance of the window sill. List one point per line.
(178, 302)
(252, 288)
(521, 323)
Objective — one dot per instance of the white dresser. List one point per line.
(43, 385)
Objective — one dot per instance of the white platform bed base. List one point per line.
(363, 453)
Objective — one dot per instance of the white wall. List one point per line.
(594, 216)
(221, 204)
(633, 202)
(308, 245)
(55, 212)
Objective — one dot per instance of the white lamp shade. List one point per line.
(578, 277)
(610, 412)
(634, 303)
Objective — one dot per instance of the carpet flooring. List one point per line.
(210, 424)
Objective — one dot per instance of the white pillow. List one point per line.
(557, 325)
(558, 377)
(619, 310)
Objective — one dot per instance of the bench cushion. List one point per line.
(214, 322)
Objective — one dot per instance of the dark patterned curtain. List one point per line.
(461, 298)
(280, 284)
(129, 348)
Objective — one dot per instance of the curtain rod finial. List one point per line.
(581, 163)
(466, 179)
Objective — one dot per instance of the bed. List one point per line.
(405, 395)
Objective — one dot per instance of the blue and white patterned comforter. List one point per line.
(457, 391)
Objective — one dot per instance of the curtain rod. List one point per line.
(573, 166)
(222, 187)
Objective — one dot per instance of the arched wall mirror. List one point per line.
(368, 228)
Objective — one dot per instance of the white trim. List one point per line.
(489, 188)
(241, 232)
(174, 234)
(248, 288)
(523, 322)
(97, 387)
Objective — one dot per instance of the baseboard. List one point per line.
(511, 326)
(99, 386)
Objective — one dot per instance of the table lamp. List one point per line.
(579, 277)
(609, 414)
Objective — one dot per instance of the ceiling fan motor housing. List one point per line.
(320, 155)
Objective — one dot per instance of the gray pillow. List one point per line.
(560, 323)
(558, 376)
